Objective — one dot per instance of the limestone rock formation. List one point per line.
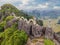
(10, 23)
(34, 30)
(57, 37)
(49, 33)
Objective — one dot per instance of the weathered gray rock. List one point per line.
(43, 31)
(30, 29)
(37, 31)
(57, 37)
(10, 23)
(56, 42)
(49, 33)
(33, 30)
(22, 25)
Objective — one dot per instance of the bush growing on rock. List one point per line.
(20, 37)
(2, 24)
(12, 36)
(48, 42)
(6, 33)
(9, 18)
(40, 22)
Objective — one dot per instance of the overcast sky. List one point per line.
(33, 4)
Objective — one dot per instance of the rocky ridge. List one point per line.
(34, 30)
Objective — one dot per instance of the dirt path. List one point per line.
(35, 42)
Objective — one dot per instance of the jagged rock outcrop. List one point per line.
(22, 25)
(30, 28)
(34, 30)
(57, 37)
(37, 30)
(10, 23)
(49, 33)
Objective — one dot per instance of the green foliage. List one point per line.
(58, 33)
(27, 16)
(12, 36)
(2, 24)
(1, 37)
(20, 37)
(40, 22)
(48, 42)
(8, 9)
(9, 18)
(58, 21)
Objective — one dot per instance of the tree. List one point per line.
(58, 22)
(8, 9)
(40, 22)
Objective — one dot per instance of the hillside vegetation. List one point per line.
(10, 32)
(11, 35)
(8, 9)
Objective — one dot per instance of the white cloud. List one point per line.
(24, 4)
(56, 7)
(7, 1)
(42, 6)
(13, 1)
(39, 6)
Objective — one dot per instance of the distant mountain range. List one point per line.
(44, 13)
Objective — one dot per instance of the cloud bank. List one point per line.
(33, 4)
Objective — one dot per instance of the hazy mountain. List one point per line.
(43, 13)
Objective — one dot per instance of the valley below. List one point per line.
(53, 24)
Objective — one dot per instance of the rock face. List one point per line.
(10, 23)
(56, 42)
(30, 29)
(34, 30)
(37, 31)
(49, 33)
(22, 25)
(57, 37)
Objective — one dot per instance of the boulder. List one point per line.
(57, 37)
(37, 31)
(56, 42)
(49, 33)
(22, 25)
(10, 23)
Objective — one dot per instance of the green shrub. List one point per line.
(2, 24)
(48, 42)
(14, 38)
(40, 22)
(20, 37)
(9, 18)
